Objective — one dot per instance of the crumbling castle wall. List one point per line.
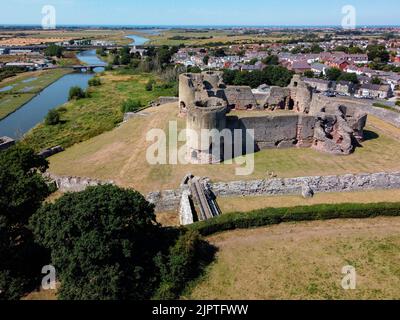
(278, 131)
(240, 97)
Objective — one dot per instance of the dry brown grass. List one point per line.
(245, 204)
(42, 295)
(304, 261)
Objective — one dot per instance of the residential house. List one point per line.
(319, 84)
(319, 68)
(345, 88)
(376, 91)
(299, 66)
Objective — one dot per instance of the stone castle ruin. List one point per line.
(294, 116)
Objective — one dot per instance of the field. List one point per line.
(197, 38)
(120, 155)
(24, 87)
(31, 37)
(304, 261)
(89, 117)
(241, 204)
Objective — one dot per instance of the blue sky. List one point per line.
(203, 12)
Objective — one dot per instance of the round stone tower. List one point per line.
(203, 141)
(187, 91)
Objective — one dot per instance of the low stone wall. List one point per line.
(168, 200)
(74, 184)
(391, 117)
(296, 186)
(164, 100)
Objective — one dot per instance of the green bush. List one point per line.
(52, 118)
(94, 82)
(131, 106)
(149, 85)
(76, 93)
(184, 262)
(271, 216)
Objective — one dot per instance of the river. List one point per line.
(56, 94)
(33, 112)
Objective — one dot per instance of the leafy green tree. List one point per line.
(116, 60)
(271, 75)
(206, 60)
(315, 48)
(272, 60)
(54, 51)
(23, 189)
(376, 80)
(101, 52)
(194, 69)
(333, 74)
(350, 77)
(309, 74)
(125, 59)
(103, 242)
(52, 118)
(355, 50)
(253, 61)
(378, 53)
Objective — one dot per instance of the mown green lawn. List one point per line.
(89, 117)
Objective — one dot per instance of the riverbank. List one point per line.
(19, 90)
(89, 117)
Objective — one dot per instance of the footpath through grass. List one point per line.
(101, 112)
(24, 87)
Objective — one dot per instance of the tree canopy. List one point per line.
(22, 191)
(271, 75)
(106, 245)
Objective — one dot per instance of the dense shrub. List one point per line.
(149, 85)
(8, 72)
(76, 93)
(185, 261)
(52, 118)
(270, 216)
(94, 82)
(131, 106)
